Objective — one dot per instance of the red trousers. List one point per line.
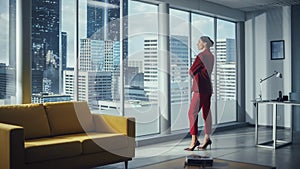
(200, 101)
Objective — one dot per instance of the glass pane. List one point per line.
(179, 52)
(8, 52)
(67, 47)
(48, 51)
(141, 83)
(99, 54)
(226, 71)
(203, 26)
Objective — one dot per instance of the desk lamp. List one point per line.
(276, 74)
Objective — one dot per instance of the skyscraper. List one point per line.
(91, 55)
(7, 81)
(226, 69)
(64, 44)
(95, 18)
(63, 60)
(103, 22)
(93, 86)
(45, 41)
(178, 68)
(103, 19)
(150, 68)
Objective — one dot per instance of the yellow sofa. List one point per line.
(63, 135)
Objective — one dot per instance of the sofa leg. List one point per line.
(126, 164)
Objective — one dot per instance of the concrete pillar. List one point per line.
(295, 69)
(164, 89)
(23, 51)
(240, 38)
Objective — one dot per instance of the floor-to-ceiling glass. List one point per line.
(45, 48)
(98, 80)
(141, 67)
(226, 71)
(179, 67)
(7, 52)
(204, 26)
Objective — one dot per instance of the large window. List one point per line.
(179, 60)
(141, 73)
(50, 36)
(7, 52)
(89, 67)
(226, 71)
(203, 26)
(45, 47)
(98, 80)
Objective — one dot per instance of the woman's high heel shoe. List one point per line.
(204, 146)
(197, 143)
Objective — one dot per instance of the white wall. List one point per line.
(261, 28)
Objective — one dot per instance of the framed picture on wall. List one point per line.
(277, 49)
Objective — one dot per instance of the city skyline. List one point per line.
(138, 13)
(104, 51)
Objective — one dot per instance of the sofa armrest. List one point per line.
(110, 123)
(11, 146)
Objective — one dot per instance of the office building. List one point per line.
(45, 42)
(92, 86)
(7, 81)
(45, 97)
(103, 23)
(178, 68)
(103, 19)
(226, 69)
(150, 68)
(99, 55)
(138, 63)
(91, 55)
(63, 60)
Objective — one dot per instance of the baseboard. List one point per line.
(271, 126)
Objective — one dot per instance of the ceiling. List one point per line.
(254, 5)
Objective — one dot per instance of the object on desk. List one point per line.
(280, 99)
(276, 74)
(197, 160)
(285, 98)
(280, 94)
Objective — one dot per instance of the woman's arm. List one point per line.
(196, 66)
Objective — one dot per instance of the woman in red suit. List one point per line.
(202, 90)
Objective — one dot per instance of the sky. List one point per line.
(4, 31)
(142, 21)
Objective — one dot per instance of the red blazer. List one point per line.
(201, 71)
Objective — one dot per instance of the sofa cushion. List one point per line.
(32, 117)
(97, 142)
(69, 117)
(50, 148)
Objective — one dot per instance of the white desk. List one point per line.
(275, 143)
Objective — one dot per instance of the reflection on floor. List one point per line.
(235, 145)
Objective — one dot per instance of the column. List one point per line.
(295, 69)
(240, 39)
(23, 51)
(164, 89)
